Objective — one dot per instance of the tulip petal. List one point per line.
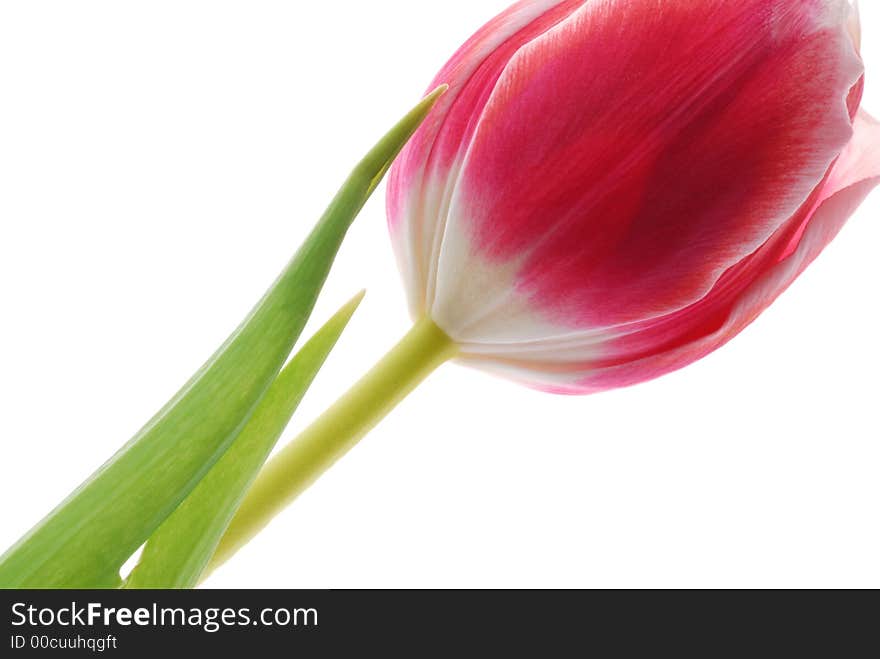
(691, 136)
(652, 348)
(435, 152)
(854, 24)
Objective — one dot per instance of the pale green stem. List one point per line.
(302, 461)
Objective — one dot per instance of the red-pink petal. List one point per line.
(415, 220)
(633, 153)
(669, 343)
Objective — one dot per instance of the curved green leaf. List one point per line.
(84, 542)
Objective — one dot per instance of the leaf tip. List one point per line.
(348, 309)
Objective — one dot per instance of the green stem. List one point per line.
(336, 431)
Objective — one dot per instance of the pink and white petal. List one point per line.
(426, 170)
(854, 24)
(760, 280)
(583, 362)
(693, 133)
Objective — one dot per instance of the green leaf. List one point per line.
(176, 555)
(84, 542)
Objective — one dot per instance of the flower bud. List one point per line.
(612, 189)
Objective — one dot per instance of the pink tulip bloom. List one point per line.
(612, 189)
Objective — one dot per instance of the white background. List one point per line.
(159, 163)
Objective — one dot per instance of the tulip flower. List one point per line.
(611, 190)
(608, 191)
